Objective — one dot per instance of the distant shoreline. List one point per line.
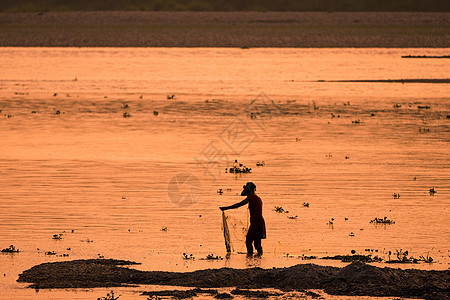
(226, 29)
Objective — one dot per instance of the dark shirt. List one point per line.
(257, 224)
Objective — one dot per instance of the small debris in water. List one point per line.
(126, 115)
(170, 97)
(10, 249)
(213, 257)
(238, 168)
(280, 209)
(385, 220)
(186, 257)
(432, 191)
(57, 236)
(305, 204)
(396, 196)
(109, 296)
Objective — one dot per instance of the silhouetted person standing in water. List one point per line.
(257, 230)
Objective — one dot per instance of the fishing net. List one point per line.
(234, 231)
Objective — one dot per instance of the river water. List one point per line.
(124, 151)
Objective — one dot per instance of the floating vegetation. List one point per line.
(170, 97)
(305, 204)
(55, 94)
(331, 222)
(423, 107)
(402, 257)
(57, 112)
(50, 253)
(260, 164)
(126, 115)
(33, 111)
(351, 234)
(187, 257)
(424, 129)
(354, 257)
(109, 296)
(292, 217)
(57, 236)
(427, 259)
(212, 257)
(87, 241)
(238, 168)
(357, 121)
(155, 113)
(164, 228)
(329, 155)
(10, 249)
(396, 196)
(306, 257)
(385, 220)
(183, 294)
(253, 115)
(125, 106)
(220, 191)
(432, 191)
(396, 105)
(280, 210)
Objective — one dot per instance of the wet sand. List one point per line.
(225, 29)
(356, 279)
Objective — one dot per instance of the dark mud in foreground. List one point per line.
(357, 279)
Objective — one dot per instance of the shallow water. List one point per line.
(113, 180)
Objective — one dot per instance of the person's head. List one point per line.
(249, 188)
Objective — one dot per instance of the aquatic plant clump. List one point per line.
(238, 168)
(385, 220)
(10, 249)
(354, 257)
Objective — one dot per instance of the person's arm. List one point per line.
(239, 204)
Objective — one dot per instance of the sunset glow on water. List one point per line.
(93, 137)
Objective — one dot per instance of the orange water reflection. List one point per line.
(90, 170)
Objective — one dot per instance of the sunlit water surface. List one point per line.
(70, 161)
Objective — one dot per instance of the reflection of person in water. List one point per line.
(257, 230)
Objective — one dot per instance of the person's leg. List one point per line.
(248, 243)
(258, 246)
